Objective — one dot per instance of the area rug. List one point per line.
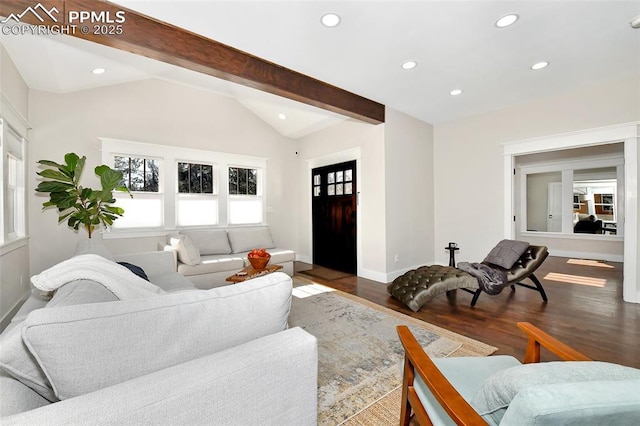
(383, 412)
(359, 354)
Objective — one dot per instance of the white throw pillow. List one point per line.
(188, 252)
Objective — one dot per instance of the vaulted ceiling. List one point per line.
(455, 44)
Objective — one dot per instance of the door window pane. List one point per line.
(348, 188)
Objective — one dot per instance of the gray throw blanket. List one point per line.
(491, 280)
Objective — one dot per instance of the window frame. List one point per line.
(12, 144)
(567, 169)
(246, 197)
(214, 195)
(168, 181)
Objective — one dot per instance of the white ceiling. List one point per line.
(455, 44)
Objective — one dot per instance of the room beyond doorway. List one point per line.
(334, 216)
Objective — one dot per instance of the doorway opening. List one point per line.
(627, 134)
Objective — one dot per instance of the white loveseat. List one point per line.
(208, 256)
(220, 356)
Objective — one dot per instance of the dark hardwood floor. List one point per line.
(585, 310)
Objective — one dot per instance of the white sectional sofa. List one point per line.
(185, 357)
(208, 256)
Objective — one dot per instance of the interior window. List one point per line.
(594, 201)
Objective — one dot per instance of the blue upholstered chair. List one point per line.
(499, 390)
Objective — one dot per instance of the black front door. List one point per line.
(334, 204)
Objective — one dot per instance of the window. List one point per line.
(142, 176)
(245, 201)
(197, 202)
(12, 184)
(558, 194)
(176, 187)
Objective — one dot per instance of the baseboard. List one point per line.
(380, 277)
(594, 256)
(305, 259)
(6, 319)
(636, 300)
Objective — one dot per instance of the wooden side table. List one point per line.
(252, 273)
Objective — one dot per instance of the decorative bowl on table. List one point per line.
(258, 258)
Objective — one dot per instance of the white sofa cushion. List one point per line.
(171, 281)
(16, 397)
(83, 348)
(213, 263)
(594, 403)
(17, 361)
(246, 239)
(186, 249)
(210, 241)
(15, 357)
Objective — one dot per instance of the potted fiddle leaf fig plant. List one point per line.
(78, 205)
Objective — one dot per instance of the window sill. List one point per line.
(12, 245)
(560, 235)
(134, 233)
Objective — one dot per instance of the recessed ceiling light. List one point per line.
(330, 20)
(507, 20)
(409, 65)
(540, 65)
(281, 116)
(97, 71)
(455, 92)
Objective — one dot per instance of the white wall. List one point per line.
(14, 258)
(409, 193)
(347, 141)
(157, 112)
(469, 164)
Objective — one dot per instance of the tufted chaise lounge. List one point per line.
(418, 286)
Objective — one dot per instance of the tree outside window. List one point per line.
(195, 178)
(139, 174)
(243, 181)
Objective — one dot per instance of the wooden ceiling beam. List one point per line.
(159, 40)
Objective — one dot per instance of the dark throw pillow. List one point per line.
(135, 269)
(506, 253)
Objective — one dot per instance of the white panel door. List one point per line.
(554, 207)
